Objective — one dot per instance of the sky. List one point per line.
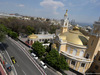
(83, 11)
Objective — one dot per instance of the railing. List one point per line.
(75, 57)
(4, 66)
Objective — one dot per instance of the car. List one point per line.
(13, 59)
(43, 64)
(34, 55)
(8, 66)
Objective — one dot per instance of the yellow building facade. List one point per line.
(76, 47)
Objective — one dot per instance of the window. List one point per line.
(96, 67)
(81, 53)
(92, 42)
(73, 62)
(99, 58)
(83, 64)
(87, 56)
(68, 49)
(74, 51)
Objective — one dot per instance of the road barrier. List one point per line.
(4, 66)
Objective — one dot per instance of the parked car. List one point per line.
(13, 60)
(34, 55)
(43, 64)
(8, 66)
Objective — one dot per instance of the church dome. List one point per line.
(32, 36)
(74, 37)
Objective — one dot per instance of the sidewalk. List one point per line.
(2, 70)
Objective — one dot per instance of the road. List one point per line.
(24, 65)
(47, 70)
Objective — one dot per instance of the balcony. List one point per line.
(78, 58)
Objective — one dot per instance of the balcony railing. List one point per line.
(75, 57)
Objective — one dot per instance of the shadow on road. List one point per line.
(2, 48)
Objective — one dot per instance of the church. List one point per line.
(78, 49)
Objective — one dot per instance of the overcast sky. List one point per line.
(85, 11)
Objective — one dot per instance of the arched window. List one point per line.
(74, 51)
(81, 53)
(68, 49)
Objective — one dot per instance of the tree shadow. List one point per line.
(3, 46)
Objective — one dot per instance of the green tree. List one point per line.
(55, 60)
(12, 34)
(38, 48)
(30, 29)
(2, 32)
(2, 36)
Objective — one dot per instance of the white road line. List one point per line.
(37, 66)
(24, 72)
(10, 60)
(13, 45)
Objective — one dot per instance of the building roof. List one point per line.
(32, 36)
(43, 36)
(75, 37)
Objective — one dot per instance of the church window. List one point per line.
(73, 62)
(92, 42)
(81, 53)
(74, 51)
(42, 39)
(99, 58)
(83, 64)
(87, 56)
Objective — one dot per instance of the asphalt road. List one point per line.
(48, 71)
(23, 66)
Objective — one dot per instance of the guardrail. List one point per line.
(4, 66)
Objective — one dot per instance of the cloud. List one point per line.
(52, 5)
(21, 5)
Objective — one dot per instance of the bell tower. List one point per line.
(64, 28)
(94, 42)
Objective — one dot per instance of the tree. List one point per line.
(2, 36)
(30, 29)
(38, 48)
(2, 32)
(12, 34)
(55, 60)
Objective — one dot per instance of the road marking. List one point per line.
(18, 48)
(27, 54)
(10, 59)
(24, 72)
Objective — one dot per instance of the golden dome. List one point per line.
(33, 36)
(76, 28)
(75, 37)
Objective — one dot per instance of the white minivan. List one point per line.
(43, 64)
(34, 55)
